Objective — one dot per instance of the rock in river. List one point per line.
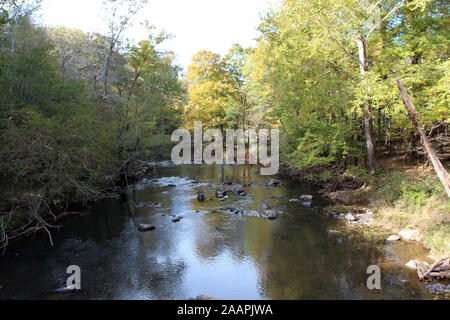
(146, 227)
(270, 214)
(307, 198)
(350, 217)
(201, 196)
(438, 289)
(273, 183)
(221, 193)
(394, 238)
(238, 191)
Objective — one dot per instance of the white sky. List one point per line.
(195, 24)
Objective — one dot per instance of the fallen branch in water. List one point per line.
(438, 271)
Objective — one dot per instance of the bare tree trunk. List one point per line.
(438, 167)
(374, 165)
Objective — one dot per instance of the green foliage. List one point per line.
(304, 75)
(63, 143)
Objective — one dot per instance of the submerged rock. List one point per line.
(146, 227)
(438, 289)
(307, 204)
(138, 205)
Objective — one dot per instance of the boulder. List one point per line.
(307, 204)
(410, 235)
(238, 191)
(176, 220)
(294, 200)
(412, 264)
(146, 227)
(270, 214)
(253, 214)
(394, 238)
(221, 193)
(307, 198)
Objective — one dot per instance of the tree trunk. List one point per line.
(432, 157)
(374, 165)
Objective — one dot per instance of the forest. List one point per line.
(82, 113)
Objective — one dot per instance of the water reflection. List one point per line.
(210, 251)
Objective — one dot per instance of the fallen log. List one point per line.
(438, 167)
(438, 271)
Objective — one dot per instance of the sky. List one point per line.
(196, 25)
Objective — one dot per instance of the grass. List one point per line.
(410, 198)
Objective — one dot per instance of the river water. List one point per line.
(211, 251)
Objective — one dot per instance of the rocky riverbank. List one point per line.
(400, 204)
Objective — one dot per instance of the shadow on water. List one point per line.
(210, 251)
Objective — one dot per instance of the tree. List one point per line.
(209, 90)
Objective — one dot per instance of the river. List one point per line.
(211, 251)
